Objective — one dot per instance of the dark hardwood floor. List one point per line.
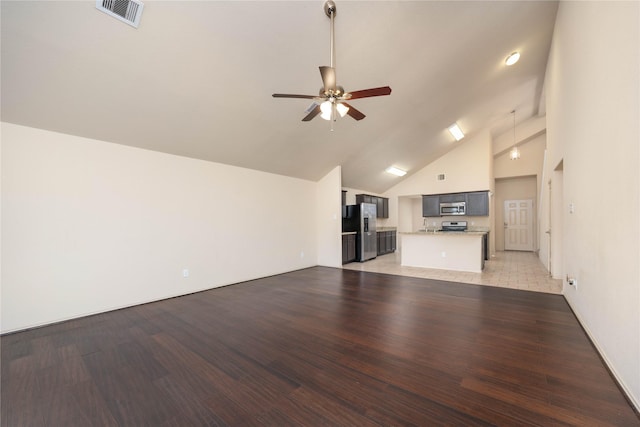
(319, 346)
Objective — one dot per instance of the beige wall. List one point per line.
(529, 163)
(89, 226)
(329, 219)
(593, 105)
(467, 168)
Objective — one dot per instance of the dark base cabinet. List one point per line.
(485, 246)
(386, 242)
(348, 248)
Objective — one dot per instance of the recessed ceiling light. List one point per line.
(455, 130)
(512, 58)
(395, 171)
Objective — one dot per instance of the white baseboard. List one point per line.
(635, 400)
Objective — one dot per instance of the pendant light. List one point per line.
(515, 153)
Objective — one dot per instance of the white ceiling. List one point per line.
(196, 78)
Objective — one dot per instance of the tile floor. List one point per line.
(510, 269)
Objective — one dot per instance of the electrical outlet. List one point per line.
(301, 254)
(185, 273)
(444, 254)
(572, 281)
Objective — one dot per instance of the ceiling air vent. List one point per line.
(441, 177)
(128, 11)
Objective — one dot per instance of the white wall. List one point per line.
(329, 221)
(89, 226)
(593, 105)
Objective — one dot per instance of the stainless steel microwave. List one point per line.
(456, 208)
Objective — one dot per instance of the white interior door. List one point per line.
(518, 225)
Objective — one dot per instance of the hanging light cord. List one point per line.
(514, 127)
(515, 154)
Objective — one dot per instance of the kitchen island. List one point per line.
(446, 250)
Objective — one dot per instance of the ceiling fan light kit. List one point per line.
(331, 101)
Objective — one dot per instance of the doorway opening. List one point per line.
(556, 220)
(524, 188)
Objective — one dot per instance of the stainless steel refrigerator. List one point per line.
(362, 219)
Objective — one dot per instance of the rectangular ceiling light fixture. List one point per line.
(455, 130)
(395, 171)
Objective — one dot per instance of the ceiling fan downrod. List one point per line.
(330, 10)
(332, 99)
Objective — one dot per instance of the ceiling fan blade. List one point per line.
(356, 114)
(286, 95)
(312, 114)
(328, 78)
(366, 93)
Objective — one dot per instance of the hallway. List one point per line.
(510, 269)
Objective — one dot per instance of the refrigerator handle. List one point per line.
(366, 225)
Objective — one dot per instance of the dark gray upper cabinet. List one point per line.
(431, 205)
(452, 198)
(382, 204)
(478, 203)
(379, 207)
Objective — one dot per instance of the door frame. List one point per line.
(556, 218)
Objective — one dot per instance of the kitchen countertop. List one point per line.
(344, 233)
(447, 233)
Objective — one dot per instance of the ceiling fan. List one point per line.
(331, 101)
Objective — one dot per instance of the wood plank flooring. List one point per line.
(318, 346)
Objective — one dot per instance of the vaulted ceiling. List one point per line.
(196, 78)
